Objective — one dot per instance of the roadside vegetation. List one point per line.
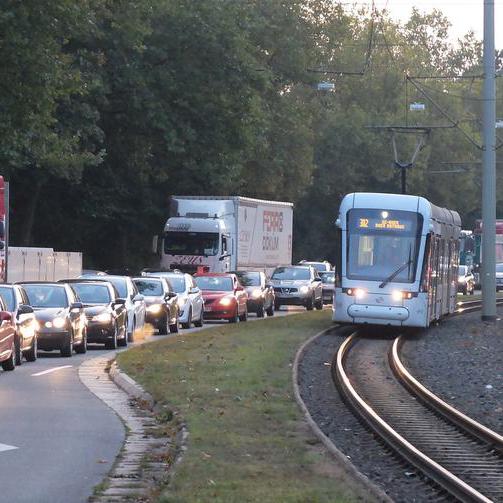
(232, 386)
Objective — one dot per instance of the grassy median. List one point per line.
(231, 384)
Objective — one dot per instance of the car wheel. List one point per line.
(31, 354)
(277, 305)
(10, 363)
(123, 342)
(260, 311)
(310, 304)
(189, 319)
(270, 310)
(82, 347)
(133, 328)
(173, 328)
(200, 322)
(67, 347)
(244, 316)
(18, 351)
(235, 318)
(113, 343)
(319, 304)
(164, 327)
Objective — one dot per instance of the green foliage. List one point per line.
(108, 107)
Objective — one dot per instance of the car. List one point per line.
(190, 298)
(91, 272)
(135, 303)
(7, 338)
(466, 280)
(224, 297)
(327, 286)
(62, 323)
(105, 311)
(260, 292)
(16, 302)
(298, 285)
(320, 266)
(161, 301)
(499, 277)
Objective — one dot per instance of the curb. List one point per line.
(370, 491)
(129, 385)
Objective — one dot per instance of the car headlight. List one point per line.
(103, 318)
(461, 280)
(256, 293)
(226, 301)
(304, 289)
(154, 309)
(56, 323)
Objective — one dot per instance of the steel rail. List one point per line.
(437, 404)
(446, 479)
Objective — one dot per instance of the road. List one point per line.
(57, 440)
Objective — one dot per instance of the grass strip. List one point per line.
(232, 386)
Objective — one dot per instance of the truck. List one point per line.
(222, 234)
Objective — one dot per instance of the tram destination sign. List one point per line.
(385, 224)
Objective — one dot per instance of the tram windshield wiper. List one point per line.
(392, 276)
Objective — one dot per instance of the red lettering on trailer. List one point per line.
(272, 221)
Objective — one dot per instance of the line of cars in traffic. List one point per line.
(110, 309)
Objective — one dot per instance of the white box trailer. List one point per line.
(41, 264)
(222, 234)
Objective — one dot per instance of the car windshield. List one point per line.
(46, 295)
(191, 243)
(92, 293)
(214, 283)
(149, 287)
(327, 278)
(177, 282)
(463, 269)
(7, 295)
(119, 283)
(383, 245)
(249, 278)
(291, 273)
(499, 267)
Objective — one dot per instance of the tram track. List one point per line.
(461, 456)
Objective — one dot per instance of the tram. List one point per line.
(398, 259)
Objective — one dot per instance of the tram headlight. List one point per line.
(397, 295)
(359, 293)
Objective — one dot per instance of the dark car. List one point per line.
(328, 286)
(260, 292)
(224, 297)
(105, 312)
(16, 302)
(61, 319)
(161, 303)
(7, 336)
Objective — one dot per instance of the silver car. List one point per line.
(499, 277)
(328, 286)
(298, 286)
(190, 298)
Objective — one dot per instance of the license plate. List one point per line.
(207, 309)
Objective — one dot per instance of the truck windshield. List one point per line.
(191, 243)
(382, 244)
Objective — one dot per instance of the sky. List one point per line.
(464, 15)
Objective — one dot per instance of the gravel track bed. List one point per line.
(398, 479)
(461, 361)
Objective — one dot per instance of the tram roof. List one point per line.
(376, 200)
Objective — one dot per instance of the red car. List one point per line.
(224, 297)
(7, 339)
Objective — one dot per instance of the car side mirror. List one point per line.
(194, 289)
(224, 256)
(317, 280)
(170, 295)
(138, 298)
(119, 302)
(76, 306)
(5, 316)
(24, 309)
(239, 288)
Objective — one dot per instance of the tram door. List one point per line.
(434, 277)
(446, 260)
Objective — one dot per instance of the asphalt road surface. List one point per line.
(57, 440)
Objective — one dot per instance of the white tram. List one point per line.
(397, 261)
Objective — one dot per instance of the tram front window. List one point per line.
(383, 244)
